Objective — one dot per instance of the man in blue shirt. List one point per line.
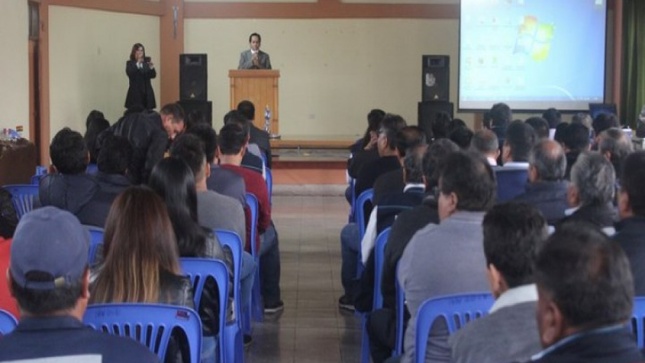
(49, 277)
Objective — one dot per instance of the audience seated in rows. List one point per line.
(383, 215)
(220, 180)
(252, 158)
(233, 140)
(576, 140)
(258, 136)
(381, 323)
(173, 180)
(214, 210)
(591, 191)
(547, 189)
(630, 230)
(49, 278)
(113, 160)
(518, 141)
(149, 134)
(67, 186)
(585, 299)
(388, 160)
(447, 258)
(513, 233)
(485, 143)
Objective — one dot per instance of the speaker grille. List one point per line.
(193, 77)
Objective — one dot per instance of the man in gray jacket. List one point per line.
(254, 58)
(513, 232)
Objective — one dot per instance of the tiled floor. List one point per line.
(311, 328)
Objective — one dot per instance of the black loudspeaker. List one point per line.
(427, 114)
(198, 109)
(193, 77)
(435, 78)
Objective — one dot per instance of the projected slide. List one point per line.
(532, 54)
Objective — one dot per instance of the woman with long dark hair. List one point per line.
(174, 181)
(140, 71)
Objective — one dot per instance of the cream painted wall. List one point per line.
(333, 71)
(14, 70)
(87, 54)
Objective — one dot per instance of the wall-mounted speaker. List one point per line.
(193, 77)
(435, 78)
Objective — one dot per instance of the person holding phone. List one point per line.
(140, 71)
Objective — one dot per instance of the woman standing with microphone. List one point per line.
(140, 71)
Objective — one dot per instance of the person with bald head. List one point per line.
(547, 188)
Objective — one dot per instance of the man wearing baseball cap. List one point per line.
(49, 277)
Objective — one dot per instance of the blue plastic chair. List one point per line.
(400, 315)
(511, 182)
(23, 196)
(352, 216)
(257, 307)
(96, 239)
(377, 301)
(234, 330)
(638, 316)
(198, 270)
(269, 181)
(148, 324)
(456, 310)
(7, 322)
(359, 210)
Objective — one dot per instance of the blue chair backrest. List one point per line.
(252, 203)
(638, 316)
(359, 211)
(269, 181)
(352, 212)
(400, 315)
(231, 240)
(96, 239)
(511, 182)
(7, 322)
(149, 324)
(23, 197)
(379, 257)
(456, 310)
(198, 270)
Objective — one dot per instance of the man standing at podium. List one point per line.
(254, 58)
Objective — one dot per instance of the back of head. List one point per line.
(173, 180)
(94, 115)
(500, 115)
(560, 132)
(390, 126)
(246, 109)
(549, 160)
(632, 181)
(472, 180)
(208, 136)
(138, 243)
(461, 136)
(484, 142)
(94, 127)
(69, 152)
(195, 117)
(594, 178)
(520, 138)
(434, 158)
(232, 139)
(553, 117)
(409, 137)
(587, 276)
(115, 156)
(604, 121)
(237, 117)
(190, 149)
(175, 110)
(441, 125)
(540, 126)
(374, 118)
(615, 142)
(413, 163)
(582, 118)
(513, 233)
(576, 137)
(48, 261)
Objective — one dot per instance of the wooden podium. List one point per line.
(261, 88)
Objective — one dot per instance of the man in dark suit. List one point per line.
(254, 58)
(258, 136)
